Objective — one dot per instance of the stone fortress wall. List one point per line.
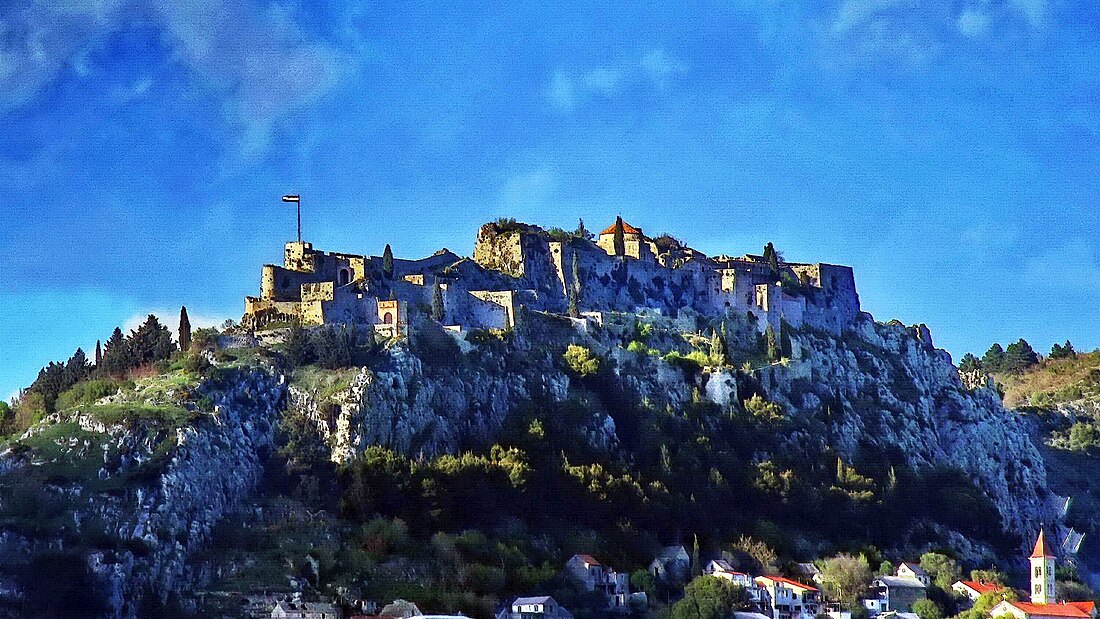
(519, 265)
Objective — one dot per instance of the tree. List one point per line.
(438, 310)
(98, 354)
(387, 262)
(696, 568)
(1019, 356)
(298, 346)
(761, 556)
(885, 568)
(994, 359)
(943, 569)
(1058, 351)
(575, 291)
(772, 258)
(992, 576)
(185, 330)
(619, 238)
(151, 342)
(927, 609)
(583, 232)
(709, 597)
(969, 363)
(845, 577)
(335, 347)
(718, 346)
(772, 346)
(116, 353)
(581, 360)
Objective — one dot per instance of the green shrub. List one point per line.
(86, 393)
(581, 360)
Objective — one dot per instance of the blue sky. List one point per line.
(947, 150)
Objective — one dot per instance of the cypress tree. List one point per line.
(582, 232)
(438, 311)
(185, 330)
(772, 344)
(98, 353)
(771, 257)
(387, 262)
(696, 569)
(619, 238)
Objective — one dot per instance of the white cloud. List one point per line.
(569, 89)
(973, 23)
(260, 63)
(853, 13)
(1034, 10)
(562, 92)
(171, 319)
(529, 191)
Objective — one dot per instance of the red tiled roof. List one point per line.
(1088, 607)
(981, 587)
(1053, 610)
(788, 581)
(627, 229)
(1041, 547)
(589, 559)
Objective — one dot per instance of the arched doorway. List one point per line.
(345, 277)
(387, 318)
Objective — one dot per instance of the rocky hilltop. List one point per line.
(670, 392)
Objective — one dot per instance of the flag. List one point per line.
(294, 198)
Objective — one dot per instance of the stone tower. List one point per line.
(1042, 572)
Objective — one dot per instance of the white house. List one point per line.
(595, 577)
(913, 570)
(305, 610)
(541, 607)
(790, 599)
(973, 589)
(672, 563)
(894, 594)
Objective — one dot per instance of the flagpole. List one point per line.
(299, 205)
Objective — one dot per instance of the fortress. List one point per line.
(573, 274)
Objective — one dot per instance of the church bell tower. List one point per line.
(1042, 572)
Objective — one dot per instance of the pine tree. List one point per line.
(994, 359)
(387, 262)
(298, 346)
(1019, 356)
(151, 342)
(619, 239)
(969, 363)
(1058, 351)
(116, 353)
(438, 310)
(185, 330)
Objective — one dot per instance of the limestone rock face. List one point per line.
(898, 392)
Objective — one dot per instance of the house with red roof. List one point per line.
(635, 244)
(596, 577)
(973, 589)
(790, 598)
(1044, 602)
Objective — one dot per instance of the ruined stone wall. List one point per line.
(501, 252)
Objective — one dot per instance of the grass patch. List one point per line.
(325, 384)
(1054, 381)
(129, 414)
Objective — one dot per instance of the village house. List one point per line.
(721, 568)
(894, 594)
(1044, 602)
(809, 572)
(913, 570)
(790, 599)
(287, 609)
(594, 576)
(672, 564)
(541, 607)
(973, 589)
